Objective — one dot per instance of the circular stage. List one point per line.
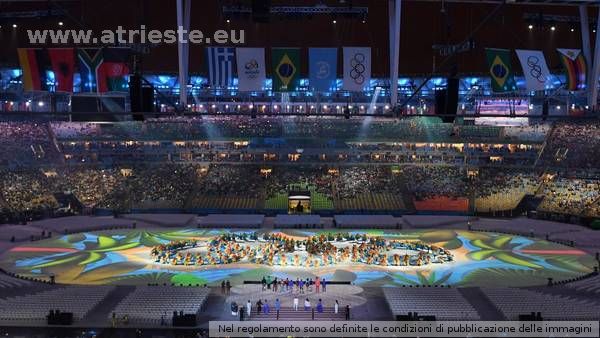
(363, 257)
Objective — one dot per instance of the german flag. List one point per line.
(575, 68)
(34, 63)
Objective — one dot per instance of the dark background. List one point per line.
(423, 25)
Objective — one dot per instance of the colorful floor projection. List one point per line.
(366, 258)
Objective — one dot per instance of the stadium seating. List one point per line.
(147, 304)
(76, 299)
(443, 303)
(514, 302)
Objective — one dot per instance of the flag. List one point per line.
(535, 69)
(113, 71)
(286, 69)
(575, 68)
(322, 68)
(500, 69)
(357, 68)
(220, 66)
(34, 63)
(250, 69)
(90, 60)
(63, 66)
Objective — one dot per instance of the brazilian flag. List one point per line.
(500, 69)
(286, 69)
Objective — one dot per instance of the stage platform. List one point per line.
(124, 257)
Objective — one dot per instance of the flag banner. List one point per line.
(34, 63)
(220, 66)
(63, 66)
(575, 68)
(500, 68)
(250, 69)
(112, 73)
(357, 68)
(322, 68)
(90, 60)
(535, 69)
(286, 69)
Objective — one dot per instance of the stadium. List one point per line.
(168, 164)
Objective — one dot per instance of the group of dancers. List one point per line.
(315, 251)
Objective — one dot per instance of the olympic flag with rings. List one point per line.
(357, 68)
(250, 69)
(535, 69)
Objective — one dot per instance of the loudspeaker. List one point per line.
(147, 99)
(135, 97)
(446, 101)
(261, 10)
(141, 96)
(440, 101)
(452, 97)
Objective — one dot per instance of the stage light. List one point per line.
(213, 106)
(364, 21)
(238, 106)
(553, 28)
(530, 27)
(226, 106)
(251, 106)
(572, 29)
(14, 25)
(350, 107)
(201, 106)
(587, 107)
(275, 107)
(362, 107)
(228, 21)
(41, 104)
(312, 107)
(60, 23)
(557, 107)
(334, 21)
(387, 107)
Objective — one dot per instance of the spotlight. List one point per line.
(228, 21)
(41, 104)
(364, 21)
(14, 25)
(572, 29)
(530, 27)
(553, 28)
(334, 21)
(60, 23)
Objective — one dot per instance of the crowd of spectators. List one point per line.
(571, 196)
(574, 145)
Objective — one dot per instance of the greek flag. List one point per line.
(221, 63)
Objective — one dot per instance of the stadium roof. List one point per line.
(522, 2)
